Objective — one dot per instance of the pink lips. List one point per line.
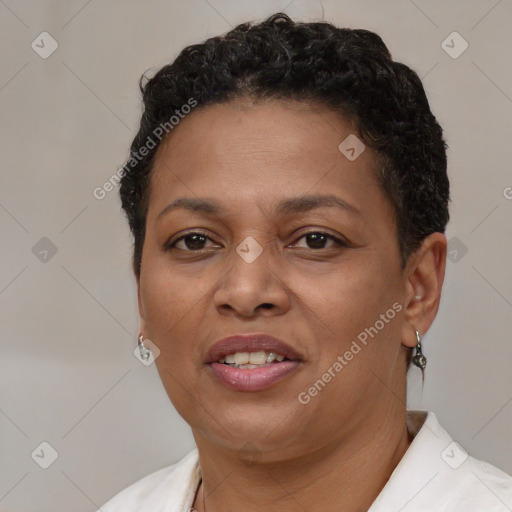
(254, 379)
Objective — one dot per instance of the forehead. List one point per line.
(273, 131)
(244, 152)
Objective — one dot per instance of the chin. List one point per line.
(235, 428)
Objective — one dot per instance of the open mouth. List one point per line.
(252, 360)
(253, 371)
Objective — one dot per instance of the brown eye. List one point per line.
(190, 242)
(318, 239)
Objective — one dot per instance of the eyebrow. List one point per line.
(285, 207)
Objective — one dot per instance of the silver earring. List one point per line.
(419, 359)
(145, 352)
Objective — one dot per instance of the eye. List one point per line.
(317, 240)
(192, 242)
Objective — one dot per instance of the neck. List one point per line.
(348, 472)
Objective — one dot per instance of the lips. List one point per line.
(252, 379)
(250, 343)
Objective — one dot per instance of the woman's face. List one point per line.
(252, 269)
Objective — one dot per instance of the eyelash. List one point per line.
(170, 245)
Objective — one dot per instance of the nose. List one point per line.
(251, 285)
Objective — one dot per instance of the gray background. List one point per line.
(69, 325)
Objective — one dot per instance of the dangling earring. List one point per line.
(145, 352)
(419, 359)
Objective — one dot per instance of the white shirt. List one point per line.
(435, 475)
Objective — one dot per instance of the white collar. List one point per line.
(435, 474)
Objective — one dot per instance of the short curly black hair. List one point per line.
(347, 70)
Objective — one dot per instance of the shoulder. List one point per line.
(470, 484)
(159, 491)
(437, 473)
(478, 486)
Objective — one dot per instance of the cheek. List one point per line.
(345, 306)
(173, 305)
(345, 294)
(170, 293)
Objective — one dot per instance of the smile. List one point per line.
(252, 362)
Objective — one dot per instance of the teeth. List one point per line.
(241, 357)
(249, 359)
(257, 357)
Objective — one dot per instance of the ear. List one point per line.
(424, 276)
(142, 322)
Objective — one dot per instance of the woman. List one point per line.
(288, 197)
